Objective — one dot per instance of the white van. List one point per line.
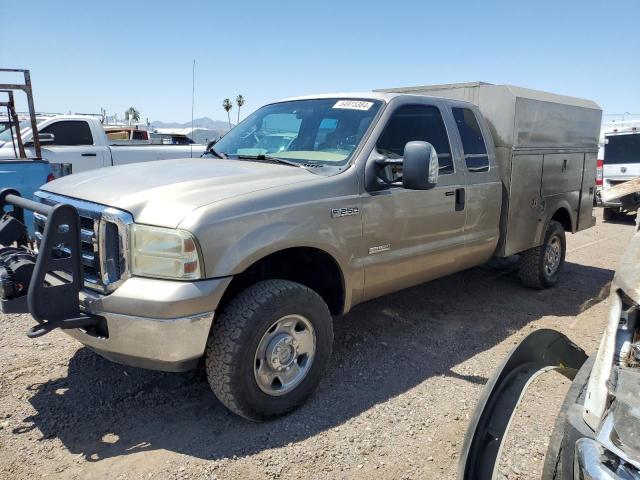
(618, 162)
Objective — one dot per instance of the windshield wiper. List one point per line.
(216, 154)
(271, 158)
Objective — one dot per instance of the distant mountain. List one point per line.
(203, 122)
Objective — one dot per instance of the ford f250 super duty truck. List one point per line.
(240, 258)
(80, 140)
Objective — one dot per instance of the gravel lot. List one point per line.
(405, 376)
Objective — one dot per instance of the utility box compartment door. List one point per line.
(562, 173)
(525, 203)
(586, 219)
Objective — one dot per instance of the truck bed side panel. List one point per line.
(562, 173)
(525, 215)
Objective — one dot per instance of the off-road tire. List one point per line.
(236, 333)
(531, 266)
(609, 214)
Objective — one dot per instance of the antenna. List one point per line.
(193, 94)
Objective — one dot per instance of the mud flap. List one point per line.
(540, 351)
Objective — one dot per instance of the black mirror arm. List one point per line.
(373, 182)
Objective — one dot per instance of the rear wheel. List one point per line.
(269, 348)
(540, 266)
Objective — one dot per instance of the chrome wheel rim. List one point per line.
(552, 256)
(284, 355)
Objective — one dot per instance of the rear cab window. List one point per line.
(475, 150)
(139, 135)
(70, 132)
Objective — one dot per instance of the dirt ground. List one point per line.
(405, 376)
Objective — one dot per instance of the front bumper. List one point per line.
(170, 345)
(594, 462)
(151, 323)
(155, 324)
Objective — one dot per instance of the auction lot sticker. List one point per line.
(353, 105)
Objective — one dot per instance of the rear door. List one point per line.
(74, 143)
(483, 186)
(621, 158)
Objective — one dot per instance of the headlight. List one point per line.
(164, 253)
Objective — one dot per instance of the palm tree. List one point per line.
(132, 115)
(227, 105)
(240, 103)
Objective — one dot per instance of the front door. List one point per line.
(413, 236)
(74, 144)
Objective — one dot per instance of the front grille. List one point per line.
(104, 236)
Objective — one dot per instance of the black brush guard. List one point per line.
(52, 304)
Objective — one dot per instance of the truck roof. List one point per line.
(71, 116)
(372, 95)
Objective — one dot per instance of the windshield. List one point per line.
(622, 149)
(319, 132)
(5, 136)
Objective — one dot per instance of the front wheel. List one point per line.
(269, 348)
(540, 266)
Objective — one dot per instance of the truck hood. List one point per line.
(163, 192)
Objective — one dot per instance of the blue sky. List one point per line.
(89, 54)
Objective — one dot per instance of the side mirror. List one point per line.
(45, 139)
(419, 166)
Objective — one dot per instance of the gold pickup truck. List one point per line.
(240, 258)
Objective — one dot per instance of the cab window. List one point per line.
(475, 151)
(139, 135)
(410, 123)
(70, 132)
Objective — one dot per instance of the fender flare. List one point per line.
(540, 351)
(573, 216)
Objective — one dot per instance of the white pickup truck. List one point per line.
(82, 142)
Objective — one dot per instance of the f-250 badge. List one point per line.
(344, 212)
